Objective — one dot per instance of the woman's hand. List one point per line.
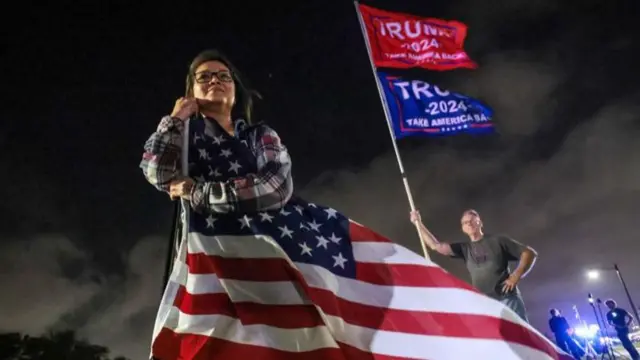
(184, 108)
(181, 189)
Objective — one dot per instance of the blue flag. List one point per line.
(420, 108)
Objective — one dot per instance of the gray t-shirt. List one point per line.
(488, 262)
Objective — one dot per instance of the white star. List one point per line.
(200, 179)
(197, 137)
(331, 213)
(214, 172)
(234, 166)
(245, 143)
(305, 249)
(298, 209)
(322, 241)
(218, 139)
(285, 232)
(303, 226)
(283, 212)
(313, 205)
(339, 260)
(334, 238)
(225, 152)
(245, 222)
(265, 217)
(204, 154)
(315, 226)
(210, 221)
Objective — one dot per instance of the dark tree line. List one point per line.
(62, 345)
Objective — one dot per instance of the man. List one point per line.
(487, 258)
(560, 328)
(621, 320)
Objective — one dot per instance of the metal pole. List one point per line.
(176, 230)
(171, 246)
(385, 107)
(626, 290)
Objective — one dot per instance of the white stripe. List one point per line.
(370, 340)
(234, 246)
(387, 253)
(231, 329)
(428, 346)
(269, 293)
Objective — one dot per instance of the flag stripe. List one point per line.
(304, 316)
(407, 282)
(401, 298)
(394, 297)
(388, 343)
(361, 233)
(349, 306)
(280, 270)
(171, 345)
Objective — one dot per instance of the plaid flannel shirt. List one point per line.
(269, 188)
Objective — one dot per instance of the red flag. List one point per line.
(406, 41)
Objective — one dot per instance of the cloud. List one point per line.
(32, 275)
(48, 283)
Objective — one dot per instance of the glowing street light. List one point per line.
(593, 274)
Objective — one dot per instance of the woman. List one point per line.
(258, 178)
(234, 178)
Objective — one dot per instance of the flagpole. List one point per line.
(387, 116)
(178, 226)
(171, 246)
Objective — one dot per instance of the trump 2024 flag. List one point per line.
(405, 41)
(419, 108)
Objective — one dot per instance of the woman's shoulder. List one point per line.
(256, 129)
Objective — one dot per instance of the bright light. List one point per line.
(587, 332)
(593, 274)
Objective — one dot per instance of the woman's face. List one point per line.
(213, 83)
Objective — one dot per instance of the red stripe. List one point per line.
(411, 322)
(169, 345)
(282, 316)
(359, 233)
(275, 269)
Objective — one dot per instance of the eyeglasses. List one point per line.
(205, 77)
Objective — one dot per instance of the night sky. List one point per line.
(83, 236)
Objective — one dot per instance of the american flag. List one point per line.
(305, 282)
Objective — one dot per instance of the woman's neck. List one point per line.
(223, 118)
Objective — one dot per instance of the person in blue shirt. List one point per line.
(560, 328)
(621, 320)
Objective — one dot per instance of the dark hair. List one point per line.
(554, 311)
(244, 95)
(611, 301)
(471, 212)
